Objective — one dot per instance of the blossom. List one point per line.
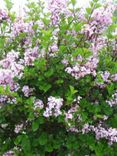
(3, 15)
(10, 68)
(9, 153)
(103, 16)
(38, 104)
(54, 47)
(9, 59)
(78, 71)
(6, 77)
(70, 113)
(114, 77)
(113, 100)
(18, 128)
(53, 107)
(20, 26)
(30, 55)
(100, 19)
(56, 7)
(26, 90)
(100, 132)
(11, 63)
(65, 62)
(85, 128)
(105, 75)
(3, 98)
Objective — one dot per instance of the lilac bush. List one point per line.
(58, 80)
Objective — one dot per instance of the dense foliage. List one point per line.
(58, 80)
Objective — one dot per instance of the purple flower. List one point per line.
(53, 107)
(27, 91)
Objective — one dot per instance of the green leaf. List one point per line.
(110, 88)
(89, 10)
(43, 138)
(73, 2)
(45, 86)
(49, 72)
(49, 148)
(1, 89)
(18, 139)
(82, 51)
(40, 64)
(9, 4)
(2, 40)
(35, 125)
(26, 143)
(73, 91)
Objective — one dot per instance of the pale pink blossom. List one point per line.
(53, 107)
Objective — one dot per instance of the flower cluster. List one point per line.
(113, 101)
(100, 18)
(72, 74)
(78, 71)
(30, 55)
(53, 107)
(22, 27)
(11, 63)
(38, 104)
(10, 68)
(114, 77)
(6, 77)
(56, 7)
(27, 91)
(106, 78)
(9, 153)
(108, 133)
(105, 75)
(3, 16)
(103, 16)
(18, 128)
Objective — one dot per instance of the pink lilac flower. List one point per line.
(114, 77)
(97, 45)
(6, 77)
(30, 55)
(73, 129)
(70, 113)
(105, 75)
(54, 47)
(78, 71)
(65, 62)
(53, 107)
(113, 100)
(9, 153)
(11, 63)
(20, 26)
(38, 104)
(18, 128)
(100, 19)
(108, 133)
(11, 57)
(3, 98)
(105, 78)
(27, 91)
(56, 7)
(10, 69)
(3, 15)
(85, 128)
(103, 15)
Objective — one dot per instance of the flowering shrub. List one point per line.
(58, 80)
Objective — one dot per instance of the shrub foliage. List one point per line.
(58, 80)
